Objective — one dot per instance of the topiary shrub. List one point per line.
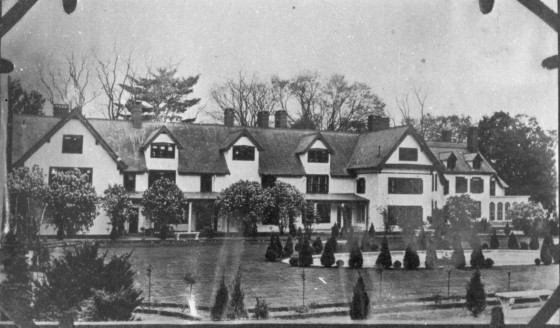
(397, 265)
(546, 258)
(340, 264)
(534, 243)
(523, 245)
(371, 231)
(294, 261)
(306, 254)
(298, 245)
(555, 253)
(318, 245)
(411, 260)
(236, 308)
(288, 248)
(278, 246)
(261, 309)
(327, 258)
(359, 307)
(494, 241)
(356, 260)
(477, 258)
(431, 255)
(537, 261)
(488, 263)
(384, 258)
(271, 251)
(485, 246)
(458, 256)
(512, 241)
(219, 309)
(476, 296)
(335, 231)
(497, 317)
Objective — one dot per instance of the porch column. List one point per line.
(190, 216)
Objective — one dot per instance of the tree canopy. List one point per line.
(460, 211)
(285, 201)
(117, 205)
(164, 202)
(21, 101)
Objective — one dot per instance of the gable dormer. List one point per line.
(314, 153)
(474, 160)
(241, 151)
(410, 152)
(448, 160)
(161, 150)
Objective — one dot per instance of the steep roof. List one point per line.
(308, 141)
(443, 150)
(373, 149)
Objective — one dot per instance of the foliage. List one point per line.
(384, 258)
(274, 249)
(117, 205)
(167, 95)
(477, 258)
(288, 248)
(439, 223)
(21, 101)
(432, 127)
(494, 241)
(306, 254)
(72, 202)
(389, 220)
(164, 203)
(523, 245)
(458, 256)
(523, 215)
(534, 243)
(460, 211)
(327, 258)
(474, 241)
(546, 258)
(411, 260)
(245, 203)
(219, 309)
(431, 255)
(476, 296)
(294, 261)
(284, 200)
(318, 245)
(261, 309)
(359, 307)
(523, 155)
(512, 241)
(371, 231)
(397, 264)
(236, 309)
(356, 260)
(335, 230)
(488, 263)
(497, 317)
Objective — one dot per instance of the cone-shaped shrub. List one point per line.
(298, 244)
(278, 246)
(371, 231)
(546, 258)
(507, 229)
(306, 254)
(271, 251)
(356, 260)
(318, 245)
(236, 308)
(476, 296)
(359, 308)
(477, 258)
(512, 241)
(218, 311)
(431, 255)
(327, 258)
(534, 243)
(334, 244)
(335, 231)
(411, 260)
(458, 257)
(384, 259)
(288, 248)
(494, 241)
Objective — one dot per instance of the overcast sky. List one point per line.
(465, 61)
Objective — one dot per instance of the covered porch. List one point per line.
(345, 209)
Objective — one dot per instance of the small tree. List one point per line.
(118, 207)
(431, 255)
(411, 260)
(534, 243)
(245, 203)
(284, 200)
(477, 258)
(327, 258)
(335, 230)
(164, 203)
(318, 245)
(494, 241)
(458, 256)
(524, 214)
(359, 308)
(356, 259)
(219, 309)
(305, 255)
(272, 252)
(546, 257)
(288, 248)
(236, 308)
(384, 258)
(460, 211)
(476, 296)
(512, 241)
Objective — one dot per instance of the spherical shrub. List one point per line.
(294, 261)
(485, 246)
(488, 263)
(397, 265)
(523, 245)
(411, 259)
(537, 261)
(339, 263)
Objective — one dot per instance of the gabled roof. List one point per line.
(308, 141)
(463, 155)
(234, 136)
(156, 133)
(374, 148)
(75, 114)
(445, 156)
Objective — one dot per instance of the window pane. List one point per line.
(318, 156)
(317, 184)
(461, 185)
(405, 186)
(161, 150)
(492, 212)
(477, 185)
(408, 154)
(72, 144)
(243, 153)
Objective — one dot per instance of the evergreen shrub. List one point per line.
(534, 243)
(306, 254)
(477, 258)
(327, 258)
(384, 258)
(458, 256)
(236, 308)
(512, 241)
(476, 296)
(359, 308)
(318, 245)
(488, 263)
(411, 260)
(261, 309)
(356, 260)
(219, 309)
(288, 248)
(494, 241)
(397, 265)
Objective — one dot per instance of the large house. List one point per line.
(350, 177)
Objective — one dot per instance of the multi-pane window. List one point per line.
(477, 185)
(461, 185)
(72, 144)
(361, 186)
(412, 214)
(129, 181)
(446, 187)
(476, 163)
(405, 186)
(153, 176)
(317, 184)
(206, 183)
(87, 171)
(434, 182)
(268, 181)
(408, 154)
(507, 211)
(162, 150)
(318, 156)
(324, 212)
(492, 188)
(492, 212)
(243, 153)
(500, 211)
(478, 210)
(451, 162)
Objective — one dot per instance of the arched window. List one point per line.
(500, 211)
(492, 212)
(507, 210)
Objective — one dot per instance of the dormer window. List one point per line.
(243, 153)
(476, 163)
(408, 154)
(162, 150)
(451, 161)
(72, 144)
(318, 156)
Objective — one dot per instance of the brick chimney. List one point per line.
(376, 123)
(472, 139)
(229, 117)
(136, 114)
(281, 119)
(262, 119)
(446, 135)
(60, 110)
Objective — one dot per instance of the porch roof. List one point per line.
(189, 195)
(335, 198)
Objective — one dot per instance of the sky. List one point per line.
(466, 62)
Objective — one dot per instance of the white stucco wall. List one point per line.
(409, 142)
(242, 170)
(315, 168)
(161, 163)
